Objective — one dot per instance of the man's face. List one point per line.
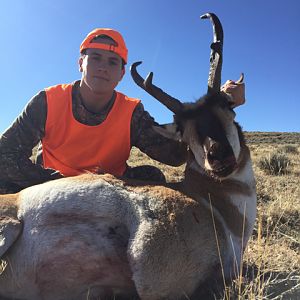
(101, 69)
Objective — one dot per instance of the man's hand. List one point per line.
(236, 92)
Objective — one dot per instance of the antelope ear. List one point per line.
(169, 131)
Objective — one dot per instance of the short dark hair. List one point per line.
(106, 37)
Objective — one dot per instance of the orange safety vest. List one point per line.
(74, 148)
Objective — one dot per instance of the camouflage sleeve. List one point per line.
(17, 142)
(158, 147)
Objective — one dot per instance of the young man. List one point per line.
(87, 125)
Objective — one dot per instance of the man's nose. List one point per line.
(102, 65)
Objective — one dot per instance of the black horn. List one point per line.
(216, 54)
(171, 103)
(241, 79)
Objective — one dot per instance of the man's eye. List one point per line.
(113, 63)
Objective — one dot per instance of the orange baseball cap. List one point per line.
(119, 49)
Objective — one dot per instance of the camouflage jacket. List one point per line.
(17, 142)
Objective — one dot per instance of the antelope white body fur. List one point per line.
(93, 235)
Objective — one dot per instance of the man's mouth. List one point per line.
(101, 78)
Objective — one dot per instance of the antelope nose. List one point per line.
(219, 152)
(215, 152)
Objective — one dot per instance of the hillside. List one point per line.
(273, 137)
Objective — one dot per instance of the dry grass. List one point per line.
(271, 267)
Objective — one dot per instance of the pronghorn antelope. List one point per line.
(96, 236)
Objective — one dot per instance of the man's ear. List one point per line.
(169, 131)
(80, 61)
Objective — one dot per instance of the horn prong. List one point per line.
(241, 79)
(171, 103)
(148, 80)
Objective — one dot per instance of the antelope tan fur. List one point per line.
(99, 237)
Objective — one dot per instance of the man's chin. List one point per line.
(100, 87)
(102, 91)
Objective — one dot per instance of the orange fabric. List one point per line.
(74, 148)
(120, 49)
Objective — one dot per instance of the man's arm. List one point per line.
(17, 142)
(158, 147)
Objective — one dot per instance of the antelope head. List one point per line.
(206, 126)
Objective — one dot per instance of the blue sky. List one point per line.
(40, 42)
